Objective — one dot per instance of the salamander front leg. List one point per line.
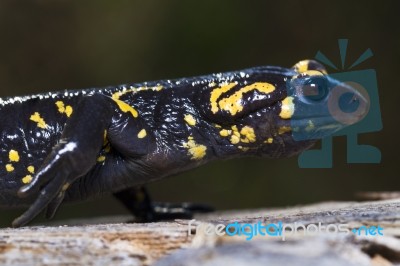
(138, 202)
(70, 159)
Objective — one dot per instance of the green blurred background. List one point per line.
(53, 45)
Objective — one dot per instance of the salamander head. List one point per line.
(289, 109)
(279, 112)
(313, 107)
(320, 104)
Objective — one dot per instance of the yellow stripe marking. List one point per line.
(13, 156)
(190, 120)
(118, 94)
(287, 108)
(142, 133)
(218, 92)
(27, 179)
(302, 66)
(105, 140)
(39, 120)
(233, 103)
(312, 73)
(124, 107)
(9, 167)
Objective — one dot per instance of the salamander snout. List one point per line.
(324, 105)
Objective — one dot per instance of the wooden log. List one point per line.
(107, 242)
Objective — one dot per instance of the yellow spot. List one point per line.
(310, 126)
(243, 148)
(31, 169)
(190, 120)
(225, 132)
(212, 84)
(287, 108)
(283, 130)
(107, 148)
(158, 88)
(13, 156)
(61, 107)
(233, 103)
(27, 179)
(68, 110)
(126, 108)
(197, 151)
(248, 134)
(101, 158)
(269, 140)
(302, 66)
(65, 186)
(235, 139)
(142, 133)
(217, 126)
(9, 167)
(216, 93)
(40, 121)
(64, 109)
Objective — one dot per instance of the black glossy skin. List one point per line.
(67, 152)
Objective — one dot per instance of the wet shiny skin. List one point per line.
(72, 145)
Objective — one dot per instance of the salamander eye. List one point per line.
(314, 89)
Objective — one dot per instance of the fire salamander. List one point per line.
(77, 144)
